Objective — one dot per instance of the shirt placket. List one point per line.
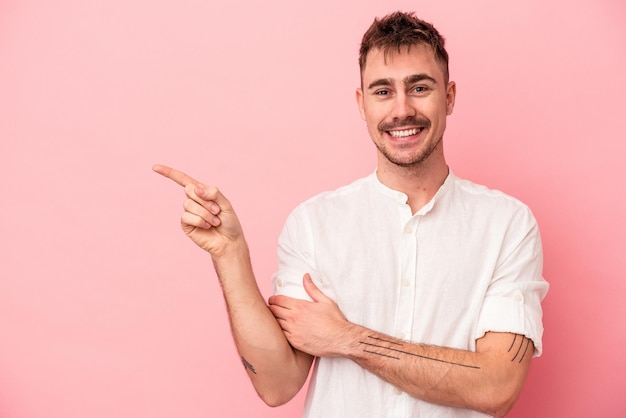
(405, 310)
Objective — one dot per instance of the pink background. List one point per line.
(107, 310)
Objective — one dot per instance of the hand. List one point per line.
(317, 327)
(209, 219)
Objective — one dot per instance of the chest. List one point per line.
(406, 276)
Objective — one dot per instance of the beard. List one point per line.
(403, 159)
(411, 160)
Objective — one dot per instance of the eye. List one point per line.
(419, 89)
(382, 92)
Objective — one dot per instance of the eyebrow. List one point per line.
(414, 78)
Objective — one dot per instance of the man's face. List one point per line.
(404, 100)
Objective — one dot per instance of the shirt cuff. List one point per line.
(511, 314)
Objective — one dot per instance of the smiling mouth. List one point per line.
(405, 132)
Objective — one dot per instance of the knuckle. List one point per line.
(190, 189)
(185, 219)
(211, 190)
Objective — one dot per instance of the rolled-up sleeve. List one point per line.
(295, 256)
(513, 300)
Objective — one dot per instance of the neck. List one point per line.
(420, 182)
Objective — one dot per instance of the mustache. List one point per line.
(410, 122)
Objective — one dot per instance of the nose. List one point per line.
(403, 107)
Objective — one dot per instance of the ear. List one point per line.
(450, 97)
(359, 102)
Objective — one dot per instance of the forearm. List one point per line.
(276, 370)
(487, 381)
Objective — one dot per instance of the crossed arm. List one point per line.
(488, 380)
(277, 343)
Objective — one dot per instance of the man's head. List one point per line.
(401, 30)
(405, 95)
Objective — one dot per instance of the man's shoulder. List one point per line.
(481, 192)
(487, 201)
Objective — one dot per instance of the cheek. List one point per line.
(372, 128)
(369, 117)
(438, 113)
(376, 114)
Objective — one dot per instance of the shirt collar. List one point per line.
(403, 198)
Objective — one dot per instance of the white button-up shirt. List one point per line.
(468, 262)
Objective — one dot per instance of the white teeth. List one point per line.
(402, 134)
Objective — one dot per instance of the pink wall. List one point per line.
(106, 310)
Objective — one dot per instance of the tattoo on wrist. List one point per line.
(247, 365)
(519, 353)
(395, 351)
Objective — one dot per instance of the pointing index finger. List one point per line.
(175, 175)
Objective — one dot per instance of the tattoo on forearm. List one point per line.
(387, 351)
(524, 342)
(384, 341)
(247, 365)
(365, 350)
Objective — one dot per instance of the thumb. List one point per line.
(314, 292)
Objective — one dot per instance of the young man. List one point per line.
(419, 293)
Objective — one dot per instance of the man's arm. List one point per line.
(276, 370)
(488, 380)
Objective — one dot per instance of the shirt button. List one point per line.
(406, 283)
(400, 336)
(397, 391)
(519, 298)
(408, 230)
(279, 283)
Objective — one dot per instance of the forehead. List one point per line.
(399, 64)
